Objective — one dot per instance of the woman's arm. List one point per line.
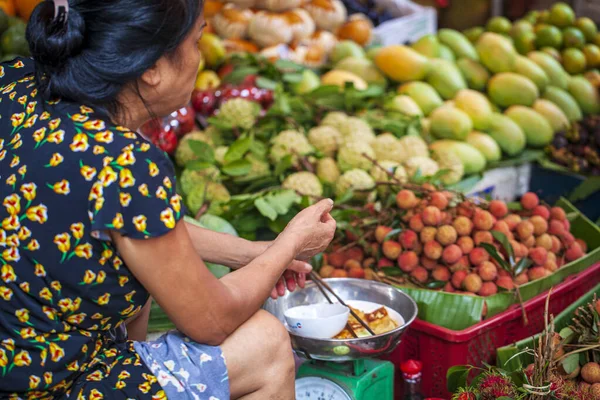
(224, 249)
(137, 327)
(204, 308)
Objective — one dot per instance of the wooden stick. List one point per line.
(318, 284)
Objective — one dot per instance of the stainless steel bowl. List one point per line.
(348, 289)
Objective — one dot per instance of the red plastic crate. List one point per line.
(440, 348)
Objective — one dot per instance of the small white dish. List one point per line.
(319, 321)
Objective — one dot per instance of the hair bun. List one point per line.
(52, 43)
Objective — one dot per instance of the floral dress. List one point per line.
(67, 176)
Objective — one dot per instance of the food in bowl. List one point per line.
(379, 318)
(319, 321)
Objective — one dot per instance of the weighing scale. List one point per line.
(346, 369)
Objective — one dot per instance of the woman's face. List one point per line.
(177, 74)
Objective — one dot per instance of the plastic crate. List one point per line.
(440, 348)
(413, 22)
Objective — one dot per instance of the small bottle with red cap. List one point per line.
(411, 373)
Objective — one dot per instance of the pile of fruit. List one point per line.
(304, 32)
(12, 35)
(578, 148)
(437, 239)
(575, 42)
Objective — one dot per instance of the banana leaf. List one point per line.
(458, 312)
(512, 358)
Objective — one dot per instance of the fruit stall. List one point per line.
(465, 169)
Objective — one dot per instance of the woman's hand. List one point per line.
(311, 230)
(294, 277)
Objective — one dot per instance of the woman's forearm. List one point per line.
(224, 249)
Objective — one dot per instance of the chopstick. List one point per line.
(316, 278)
(318, 284)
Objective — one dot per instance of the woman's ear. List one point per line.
(152, 76)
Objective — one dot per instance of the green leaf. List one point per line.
(292, 77)
(435, 285)
(571, 363)
(522, 265)
(238, 149)
(393, 232)
(265, 83)
(220, 124)
(237, 168)
(238, 75)
(203, 151)
(586, 189)
(392, 271)
(265, 209)
(285, 164)
(567, 334)
(258, 148)
(317, 261)
(494, 254)
(501, 237)
(198, 165)
(525, 157)
(324, 91)
(345, 197)
(283, 200)
(371, 91)
(456, 377)
(288, 65)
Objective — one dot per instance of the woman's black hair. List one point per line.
(104, 45)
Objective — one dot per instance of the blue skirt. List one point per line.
(186, 370)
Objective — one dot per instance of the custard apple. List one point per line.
(326, 139)
(352, 155)
(208, 192)
(387, 147)
(220, 154)
(335, 119)
(215, 135)
(291, 143)
(305, 183)
(425, 165)
(240, 113)
(414, 146)
(184, 153)
(357, 180)
(191, 178)
(328, 170)
(379, 175)
(259, 169)
(450, 162)
(356, 129)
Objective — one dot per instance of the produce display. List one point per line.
(12, 28)
(566, 365)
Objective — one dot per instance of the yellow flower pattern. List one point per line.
(68, 176)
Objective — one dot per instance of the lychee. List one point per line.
(408, 239)
(541, 211)
(326, 271)
(537, 273)
(463, 226)
(466, 209)
(446, 235)
(338, 259)
(451, 254)
(466, 244)
(488, 289)
(574, 252)
(428, 263)
(582, 244)
(385, 263)
(591, 373)
(505, 282)
(448, 288)
(567, 225)
(483, 237)
(441, 273)
(433, 250)
(339, 273)
(512, 220)
(478, 256)
(498, 208)
(551, 265)
(428, 234)
(357, 273)
(352, 264)
(529, 242)
(408, 261)
(446, 218)
(373, 249)
(391, 249)
(369, 262)
(462, 264)
(521, 279)
(370, 274)
(438, 200)
(416, 223)
(595, 391)
(556, 227)
(472, 283)
(530, 200)
(556, 244)
(458, 277)
(524, 230)
(538, 255)
(420, 274)
(517, 248)
(418, 249)
(544, 241)
(568, 239)
(405, 199)
(381, 233)
(483, 220)
(540, 225)
(558, 213)
(502, 227)
(488, 271)
(431, 216)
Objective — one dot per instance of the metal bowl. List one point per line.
(348, 289)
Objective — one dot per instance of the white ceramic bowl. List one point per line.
(319, 321)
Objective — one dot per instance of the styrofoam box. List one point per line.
(413, 22)
(506, 184)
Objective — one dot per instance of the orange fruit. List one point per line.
(26, 7)
(9, 7)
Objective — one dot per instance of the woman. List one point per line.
(92, 225)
